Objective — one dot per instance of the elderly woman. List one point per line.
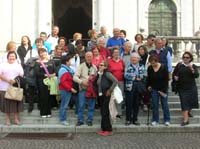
(157, 83)
(185, 73)
(134, 74)
(44, 68)
(8, 72)
(116, 66)
(106, 84)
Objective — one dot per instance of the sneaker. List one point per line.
(136, 123)
(167, 123)
(145, 108)
(43, 116)
(101, 132)
(48, 116)
(154, 123)
(65, 123)
(79, 123)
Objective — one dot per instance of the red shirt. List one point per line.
(117, 68)
(97, 61)
(104, 52)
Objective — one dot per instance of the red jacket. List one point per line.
(66, 82)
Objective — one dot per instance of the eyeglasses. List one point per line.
(185, 57)
(101, 65)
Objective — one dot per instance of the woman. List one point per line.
(93, 34)
(80, 50)
(97, 58)
(157, 83)
(8, 72)
(106, 83)
(184, 74)
(165, 45)
(65, 76)
(11, 46)
(144, 56)
(139, 41)
(24, 48)
(62, 42)
(44, 95)
(135, 73)
(116, 66)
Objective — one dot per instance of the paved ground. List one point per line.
(117, 141)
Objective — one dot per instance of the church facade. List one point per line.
(159, 17)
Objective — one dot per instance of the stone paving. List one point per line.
(117, 141)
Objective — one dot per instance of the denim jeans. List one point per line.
(65, 98)
(91, 106)
(164, 103)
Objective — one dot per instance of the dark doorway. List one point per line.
(72, 16)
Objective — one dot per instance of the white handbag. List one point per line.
(118, 94)
(14, 93)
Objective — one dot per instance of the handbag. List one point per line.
(117, 93)
(14, 93)
(141, 87)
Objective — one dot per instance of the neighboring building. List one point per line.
(161, 17)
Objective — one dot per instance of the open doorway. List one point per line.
(72, 16)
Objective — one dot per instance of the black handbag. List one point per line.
(141, 87)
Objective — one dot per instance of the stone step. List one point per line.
(117, 128)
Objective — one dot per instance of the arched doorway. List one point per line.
(163, 18)
(72, 16)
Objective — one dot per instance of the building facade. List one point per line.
(160, 17)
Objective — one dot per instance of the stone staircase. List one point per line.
(33, 123)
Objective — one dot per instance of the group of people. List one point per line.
(89, 75)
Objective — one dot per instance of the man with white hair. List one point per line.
(84, 71)
(126, 55)
(134, 74)
(103, 33)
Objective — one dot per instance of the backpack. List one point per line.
(29, 71)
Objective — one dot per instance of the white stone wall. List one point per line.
(30, 17)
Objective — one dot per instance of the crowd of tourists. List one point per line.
(56, 73)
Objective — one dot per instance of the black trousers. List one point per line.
(132, 105)
(105, 113)
(44, 99)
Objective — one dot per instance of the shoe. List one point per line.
(136, 123)
(190, 114)
(185, 123)
(79, 123)
(30, 109)
(127, 123)
(65, 123)
(43, 116)
(101, 132)
(89, 123)
(119, 116)
(154, 123)
(8, 123)
(107, 133)
(167, 123)
(48, 116)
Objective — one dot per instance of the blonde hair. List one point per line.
(10, 45)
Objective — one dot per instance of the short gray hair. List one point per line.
(135, 54)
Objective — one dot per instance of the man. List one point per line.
(126, 55)
(84, 71)
(53, 38)
(116, 41)
(150, 42)
(47, 45)
(163, 55)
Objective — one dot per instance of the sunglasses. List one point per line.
(101, 65)
(185, 57)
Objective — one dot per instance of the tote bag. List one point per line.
(14, 93)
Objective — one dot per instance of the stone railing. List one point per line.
(182, 44)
